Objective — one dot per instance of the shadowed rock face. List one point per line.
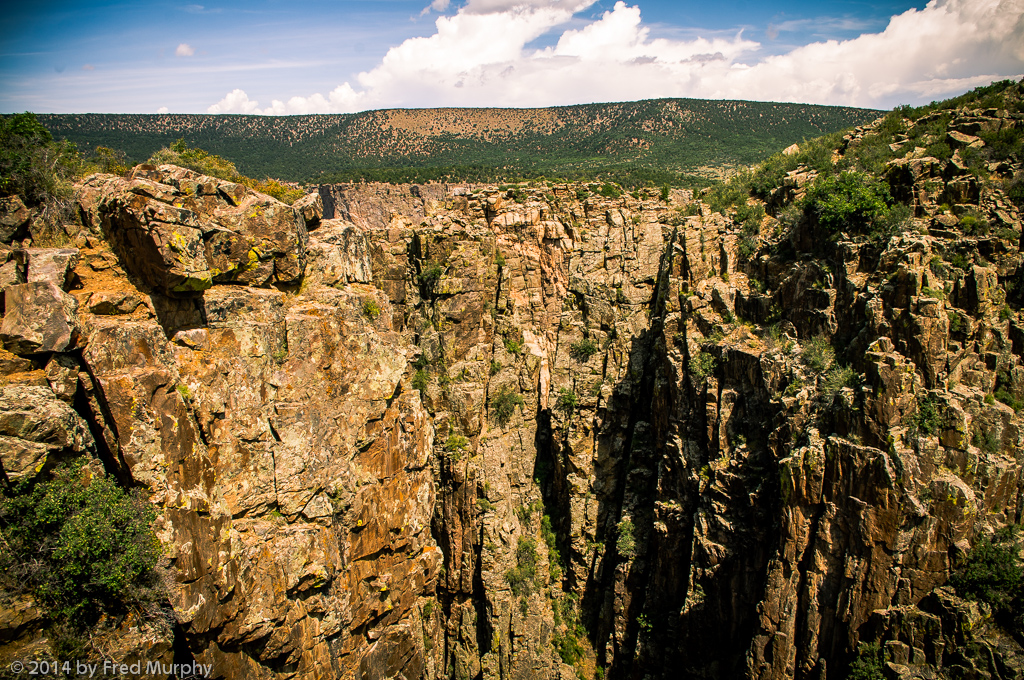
(486, 414)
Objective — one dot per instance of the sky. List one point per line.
(281, 57)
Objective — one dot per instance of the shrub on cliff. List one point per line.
(79, 546)
(429, 275)
(110, 161)
(521, 578)
(582, 350)
(567, 401)
(504, 405)
(818, 354)
(993, 573)
(213, 165)
(37, 168)
(851, 202)
(869, 663)
(702, 366)
(625, 542)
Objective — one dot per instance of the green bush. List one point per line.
(582, 350)
(703, 365)
(1014, 189)
(567, 401)
(504, 405)
(928, 417)
(420, 380)
(1006, 144)
(429, 276)
(987, 439)
(851, 202)
(960, 261)
(993, 573)
(818, 354)
(869, 663)
(569, 648)
(522, 578)
(835, 379)
(610, 191)
(974, 224)
(748, 246)
(371, 309)
(455, 445)
(1009, 398)
(37, 168)
(205, 163)
(110, 161)
(79, 548)
(625, 542)
(548, 534)
(939, 150)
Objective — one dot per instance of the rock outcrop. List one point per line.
(464, 432)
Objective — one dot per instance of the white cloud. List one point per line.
(342, 99)
(235, 101)
(479, 57)
(502, 6)
(437, 6)
(184, 50)
(163, 109)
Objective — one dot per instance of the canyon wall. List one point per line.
(470, 432)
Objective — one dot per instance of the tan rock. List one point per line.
(39, 317)
(14, 216)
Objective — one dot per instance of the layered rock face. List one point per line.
(465, 432)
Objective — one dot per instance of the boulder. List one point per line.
(311, 207)
(12, 363)
(10, 274)
(13, 216)
(339, 254)
(168, 255)
(959, 140)
(62, 375)
(36, 429)
(51, 264)
(40, 317)
(182, 232)
(113, 303)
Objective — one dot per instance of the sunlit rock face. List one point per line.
(457, 431)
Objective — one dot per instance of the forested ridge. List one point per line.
(645, 142)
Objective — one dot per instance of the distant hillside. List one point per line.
(643, 142)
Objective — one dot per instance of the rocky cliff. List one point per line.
(462, 432)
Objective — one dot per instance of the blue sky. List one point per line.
(281, 57)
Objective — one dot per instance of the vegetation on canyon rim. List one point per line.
(81, 546)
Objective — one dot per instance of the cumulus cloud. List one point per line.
(436, 6)
(342, 99)
(501, 6)
(163, 109)
(184, 50)
(236, 101)
(480, 57)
